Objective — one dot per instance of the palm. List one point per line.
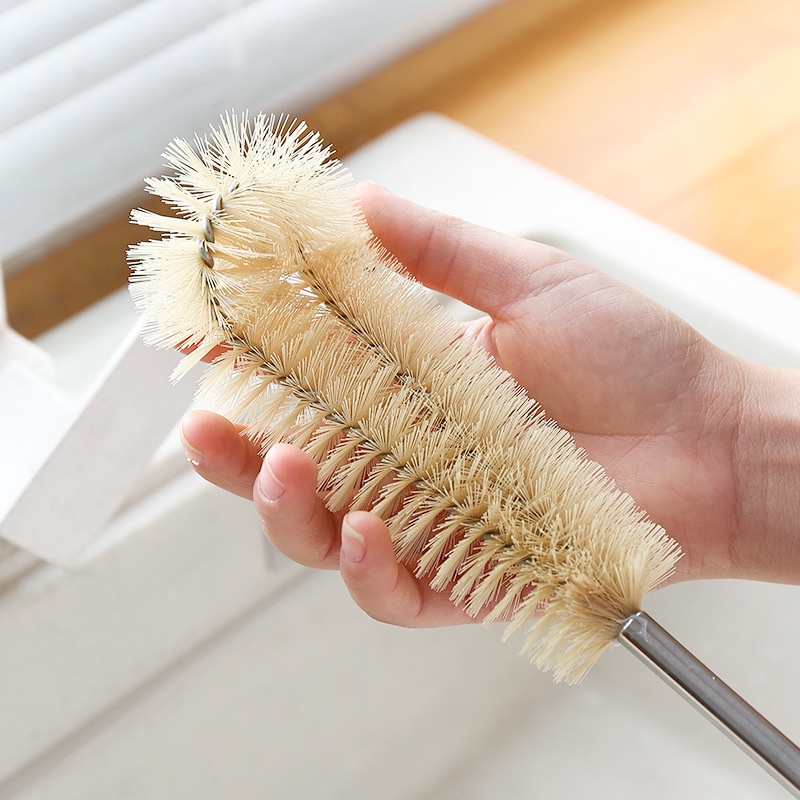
(627, 379)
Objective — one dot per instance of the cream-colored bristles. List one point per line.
(330, 346)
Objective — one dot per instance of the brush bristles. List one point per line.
(330, 346)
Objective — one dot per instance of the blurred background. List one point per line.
(180, 656)
(685, 112)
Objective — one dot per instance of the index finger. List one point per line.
(485, 269)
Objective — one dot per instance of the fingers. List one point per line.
(485, 269)
(282, 486)
(295, 520)
(219, 453)
(383, 588)
(293, 517)
(298, 524)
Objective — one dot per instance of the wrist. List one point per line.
(767, 474)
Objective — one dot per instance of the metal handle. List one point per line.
(644, 637)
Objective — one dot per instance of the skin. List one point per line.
(706, 442)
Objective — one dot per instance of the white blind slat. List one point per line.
(87, 117)
(99, 53)
(34, 26)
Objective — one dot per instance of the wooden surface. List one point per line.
(687, 111)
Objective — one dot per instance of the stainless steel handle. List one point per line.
(644, 637)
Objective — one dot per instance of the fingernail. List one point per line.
(370, 185)
(354, 548)
(193, 455)
(269, 486)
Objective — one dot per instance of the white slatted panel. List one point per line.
(93, 89)
(32, 27)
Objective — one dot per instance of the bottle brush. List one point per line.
(320, 339)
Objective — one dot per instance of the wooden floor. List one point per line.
(687, 112)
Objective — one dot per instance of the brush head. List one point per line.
(329, 345)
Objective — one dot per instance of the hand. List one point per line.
(694, 434)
